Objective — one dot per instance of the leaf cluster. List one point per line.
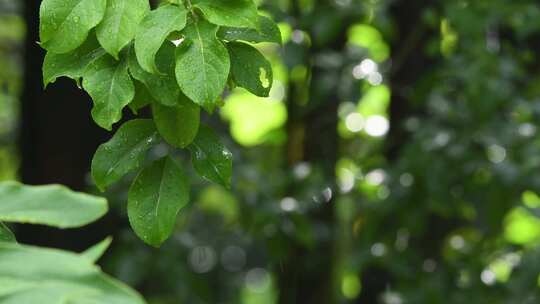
(176, 59)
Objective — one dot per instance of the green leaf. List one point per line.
(120, 23)
(211, 159)
(154, 30)
(179, 124)
(38, 275)
(162, 87)
(124, 152)
(268, 32)
(5, 234)
(108, 83)
(142, 97)
(72, 64)
(250, 69)
(65, 24)
(154, 200)
(95, 252)
(202, 66)
(52, 205)
(235, 13)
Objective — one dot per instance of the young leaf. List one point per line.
(211, 159)
(95, 252)
(72, 64)
(153, 31)
(250, 69)
(235, 13)
(5, 234)
(155, 198)
(202, 67)
(65, 24)
(162, 87)
(179, 124)
(120, 23)
(39, 275)
(124, 152)
(268, 32)
(108, 83)
(51, 205)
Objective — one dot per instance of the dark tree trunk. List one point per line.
(410, 64)
(56, 136)
(306, 275)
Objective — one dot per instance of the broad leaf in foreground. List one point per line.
(153, 32)
(202, 66)
(236, 13)
(155, 198)
(108, 83)
(120, 23)
(250, 69)
(38, 275)
(178, 125)
(163, 86)
(124, 152)
(51, 205)
(65, 24)
(211, 159)
(268, 32)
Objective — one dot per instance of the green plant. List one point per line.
(39, 275)
(176, 59)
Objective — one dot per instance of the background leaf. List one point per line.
(153, 31)
(111, 88)
(211, 159)
(162, 86)
(65, 24)
(120, 23)
(124, 152)
(155, 198)
(51, 205)
(179, 124)
(142, 97)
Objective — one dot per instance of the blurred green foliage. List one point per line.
(12, 31)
